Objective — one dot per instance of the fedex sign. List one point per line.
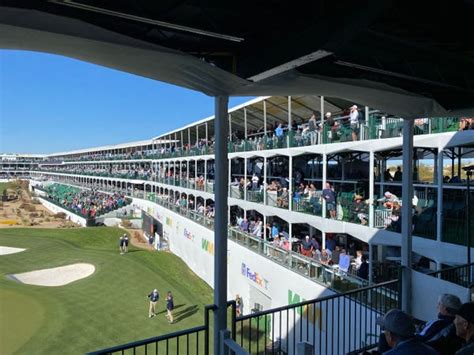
(254, 276)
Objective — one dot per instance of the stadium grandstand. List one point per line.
(314, 199)
(340, 194)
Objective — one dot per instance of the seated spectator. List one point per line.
(388, 199)
(447, 308)
(464, 323)
(399, 334)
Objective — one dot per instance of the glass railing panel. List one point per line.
(236, 191)
(310, 205)
(255, 196)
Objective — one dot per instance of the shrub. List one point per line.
(35, 202)
(34, 215)
(126, 223)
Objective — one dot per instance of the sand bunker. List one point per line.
(10, 250)
(57, 276)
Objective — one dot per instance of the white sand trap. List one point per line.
(58, 276)
(10, 250)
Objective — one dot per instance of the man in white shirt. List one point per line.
(354, 121)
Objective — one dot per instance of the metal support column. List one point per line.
(290, 184)
(324, 181)
(245, 127)
(371, 188)
(407, 196)
(265, 118)
(371, 264)
(322, 135)
(265, 180)
(245, 179)
(289, 122)
(220, 221)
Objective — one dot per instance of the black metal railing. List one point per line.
(460, 275)
(335, 324)
(188, 341)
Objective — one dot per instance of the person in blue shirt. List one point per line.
(279, 134)
(275, 231)
(154, 296)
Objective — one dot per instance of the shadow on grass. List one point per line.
(185, 313)
(175, 307)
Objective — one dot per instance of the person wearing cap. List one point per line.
(154, 296)
(464, 323)
(354, 121)
(447, 307)
(307, 247)
(399, 332)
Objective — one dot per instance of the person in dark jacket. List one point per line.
(448, 305)
(363, 271)
(399, 333)
(169, 307)
(464, 323)
(154, 296)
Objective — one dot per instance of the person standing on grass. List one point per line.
(169, 307)
(125, 243)
(154, 296)
(121, 245)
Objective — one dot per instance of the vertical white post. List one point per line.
(245, 125)
(290, 233)
(265, 180)
(324, 181)
(439, 204)
(265, 227)
(245, 179)
(323, 246)
(290, 185)
(371, 188)
(289, 122)
(265, 118)
(321, 141)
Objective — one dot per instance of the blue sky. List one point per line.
(50, 103)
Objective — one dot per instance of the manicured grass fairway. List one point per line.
(106, 309)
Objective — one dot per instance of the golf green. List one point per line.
(108, 308)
